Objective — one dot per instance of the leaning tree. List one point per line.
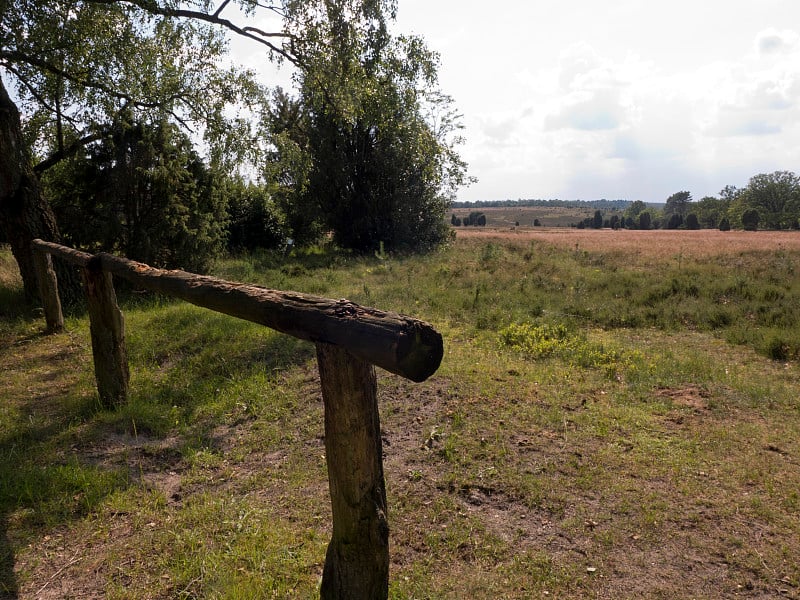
(73, 66)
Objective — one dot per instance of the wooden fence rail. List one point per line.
(350, 339)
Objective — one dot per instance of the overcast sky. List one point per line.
(633, 99)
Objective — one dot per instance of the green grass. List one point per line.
(598, 426)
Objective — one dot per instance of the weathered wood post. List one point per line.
(107, 326)
(357, 560)
(48, 291)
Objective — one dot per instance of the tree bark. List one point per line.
(357, 560)
(24, 213)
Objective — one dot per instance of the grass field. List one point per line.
(616, 416)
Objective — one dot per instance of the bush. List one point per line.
(254, 220)
(777, 348)
(750, 219)
(144, 193)
(556, 341)
(675, 221)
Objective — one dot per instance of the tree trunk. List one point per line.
(357, 561)
(24, 213)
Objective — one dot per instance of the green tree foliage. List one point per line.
(383, 166)
(143, 192)
(255, 221)
(724, 224)
(675, 221)
(729, 193)
(710, 211)
(678, 204)
(288, 166)
(645, 220)
(633, 210)
(750, 219)
(597, 220)
(692, 222)
(77, 65)
(776, 198)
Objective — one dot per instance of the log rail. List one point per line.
(350, 340)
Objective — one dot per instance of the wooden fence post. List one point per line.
(107, 326)
(357, 560)
(48, 291)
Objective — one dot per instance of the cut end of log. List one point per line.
(420, 352)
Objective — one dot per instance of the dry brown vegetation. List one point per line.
(655, 243)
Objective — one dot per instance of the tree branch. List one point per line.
(87, 82)
(248, 32)
(17, 56)
(66, 152)
(221, 8)
(32, 90)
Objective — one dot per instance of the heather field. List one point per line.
(649, 244)
(616, 416)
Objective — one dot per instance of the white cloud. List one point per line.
(762, 91)
(616, 99)
(773, 41)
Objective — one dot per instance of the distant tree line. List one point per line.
(475, 218)
(770, 201)
(601, 204)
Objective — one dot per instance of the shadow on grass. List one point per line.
(13, 305)
(8, 581)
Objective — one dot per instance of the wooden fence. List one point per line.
(350, 340)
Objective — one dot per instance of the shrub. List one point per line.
(675, 221)
(538, 341)
(255, 221)
(777, 348)
(556, 341)
(750, 219)
(143, 192)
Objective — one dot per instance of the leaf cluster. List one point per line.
(77, 64)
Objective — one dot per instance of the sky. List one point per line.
(617, 99)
